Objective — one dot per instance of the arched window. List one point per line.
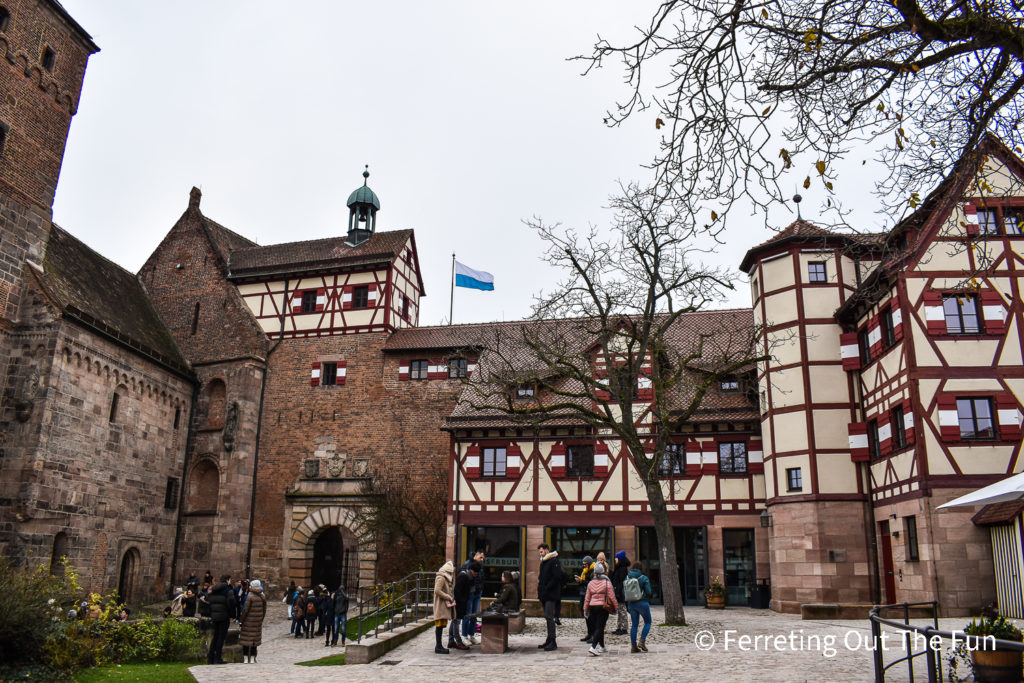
(203, 487)
(60, 551)
(126, 579)
(216, 399)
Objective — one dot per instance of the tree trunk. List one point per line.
(670, 589)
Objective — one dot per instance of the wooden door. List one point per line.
(888, 575)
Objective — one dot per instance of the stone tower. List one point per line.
(45, 54)
(816, 495)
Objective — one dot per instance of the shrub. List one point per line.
(32, 601)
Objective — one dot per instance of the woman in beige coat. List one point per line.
(251, 619)
(444, 608)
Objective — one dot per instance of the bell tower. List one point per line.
(363, 206)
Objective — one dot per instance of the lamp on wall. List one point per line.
(766, 519)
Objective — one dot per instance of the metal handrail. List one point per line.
(382, 601)
(932, 662)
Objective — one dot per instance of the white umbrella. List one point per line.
(1011, 488)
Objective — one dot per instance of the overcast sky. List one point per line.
(468, 114)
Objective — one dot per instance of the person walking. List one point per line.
(637, 591)
(223, 608)
(297, 611)
(599, 592)
(311, 611)
(583, 578)
(618, 576)
(253, 612)
(549, 591)
(444, 607)
(340, 615)
(473, 603)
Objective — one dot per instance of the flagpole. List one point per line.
(451, 303)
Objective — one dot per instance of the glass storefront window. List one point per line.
(691, 556)
(503, 547)
(572, 544)
(738, 554)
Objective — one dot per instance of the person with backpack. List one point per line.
(298, 613)
(600, 596)
(618, 576)
(311, 610)
(637, 591)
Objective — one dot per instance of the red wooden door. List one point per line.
(888, 577)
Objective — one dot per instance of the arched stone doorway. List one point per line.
(336, 533)
(126, 578)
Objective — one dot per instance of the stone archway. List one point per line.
(308, 530)
(127, 577)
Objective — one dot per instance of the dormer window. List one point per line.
(730, 384)
(457, 368)
(525, 392)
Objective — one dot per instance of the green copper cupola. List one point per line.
(363, 206)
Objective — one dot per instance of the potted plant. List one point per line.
(989, 664)
(715, 594)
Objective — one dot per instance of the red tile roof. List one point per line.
(311, 255)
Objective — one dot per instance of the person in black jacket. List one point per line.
(340, 615)
(464, 583)
(223, 608)
(618, 577)
(549, 590)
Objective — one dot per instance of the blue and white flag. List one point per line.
(473, 279)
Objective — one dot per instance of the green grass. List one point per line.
(330, 660)
(151, 672)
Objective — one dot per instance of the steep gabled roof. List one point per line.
(315, 255)
(926, 221)
(107, 298)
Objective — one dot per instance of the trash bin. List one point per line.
(762, 596)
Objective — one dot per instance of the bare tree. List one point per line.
(409, 512)
(760, 95)
(621, 348)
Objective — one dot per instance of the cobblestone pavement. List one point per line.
(807, 651)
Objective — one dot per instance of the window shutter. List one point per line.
(908, 420)
(436, 369)
(314, 376)
(371, 296)
(875, 337)
(709, 457)
(949, 421)
(971, 220)
(342, 371)
(755, 456)
(884, 434)
(557, 463)
(993, 312)
(858, 432)
(850, 351)
(346, 297)
(297, 302)
(897, 321)
(321, 299)
(601, 456)
(470, 367)
(403, 370)
(933, 313)
(513, 460)
(1009, 416)
(473, 468)
(693, 458)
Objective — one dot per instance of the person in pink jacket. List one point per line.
(599, 590)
